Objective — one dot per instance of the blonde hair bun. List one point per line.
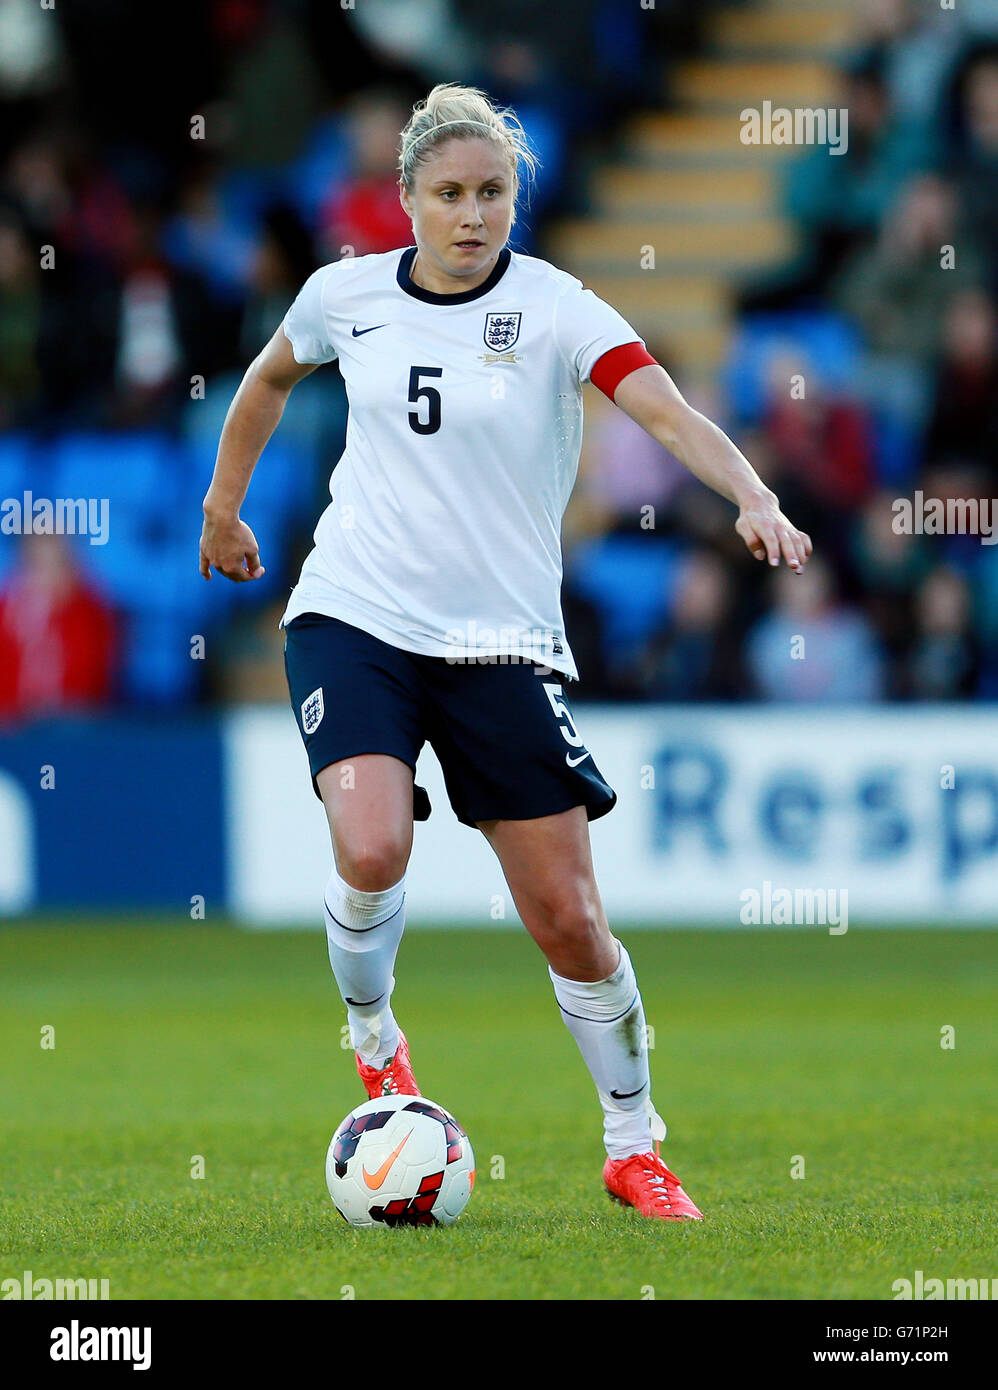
(454, 112)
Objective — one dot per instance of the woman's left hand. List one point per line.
(769, 534)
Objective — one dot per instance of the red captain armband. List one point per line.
(619, 362)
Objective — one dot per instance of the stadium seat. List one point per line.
(321, 167)
(135, 471)
(158, 668)
(17, 454)
(819, 336)
(15, 477)
(630, 579)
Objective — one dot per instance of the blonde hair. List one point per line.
(453, 112)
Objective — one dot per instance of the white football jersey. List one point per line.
(443, 535)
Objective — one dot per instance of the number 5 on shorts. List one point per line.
(561, 711)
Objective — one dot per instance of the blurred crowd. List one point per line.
(167, 184)
(862, 372)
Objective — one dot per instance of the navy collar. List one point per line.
(464, 296)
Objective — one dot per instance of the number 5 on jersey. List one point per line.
(418, 393)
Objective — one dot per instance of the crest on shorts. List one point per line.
(312, 711)
(502, 330)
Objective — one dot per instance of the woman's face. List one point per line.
(463, 194)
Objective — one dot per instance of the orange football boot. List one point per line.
(642, 1181)
(394, 1080)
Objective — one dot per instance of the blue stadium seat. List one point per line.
(15, 478)
(136, 471)
(16, 456)
(827, 341)
(630, 579)
(158, 668)
(897, 450)
(116, 569)
(320, 168)
(139, 475)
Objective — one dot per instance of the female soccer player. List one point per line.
(429, 608)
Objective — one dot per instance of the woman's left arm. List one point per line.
(650, 397)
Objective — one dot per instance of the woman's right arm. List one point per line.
(227, 543)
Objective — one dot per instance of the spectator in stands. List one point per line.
(946, 658)
(886, 560)
(813, 443)
(696, 654)
(898, 289)
(161, 337)
(271, 88)
(810, 646)
(973, 154)
(363, 213)
(887, 566)
(916, 46)
(839, 201)
(57, 636)
(282, 261)
(819, 437)
(72, 200)
(964, 420)
(956, 484)
(204, 238)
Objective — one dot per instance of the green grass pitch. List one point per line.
(175, 1041)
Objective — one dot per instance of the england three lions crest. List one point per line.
(312, 711)
(501, 333)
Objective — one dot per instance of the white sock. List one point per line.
(607, 1020)
(363, 931)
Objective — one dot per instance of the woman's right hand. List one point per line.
(229, 546)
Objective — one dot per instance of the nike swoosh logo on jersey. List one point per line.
(627, 1095)
(359, 332)
(376, 1179)
(574, 762)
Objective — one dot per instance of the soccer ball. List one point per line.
(400, 1161)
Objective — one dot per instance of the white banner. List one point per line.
(722, 813)
(17, 849)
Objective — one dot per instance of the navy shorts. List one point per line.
(502, 731)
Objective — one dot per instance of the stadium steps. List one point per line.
(686, 185)
(710, 239)
(695, 307)
(784, 33)
(855, 9)
(692, 141)
(675, 193)
(710, 86)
